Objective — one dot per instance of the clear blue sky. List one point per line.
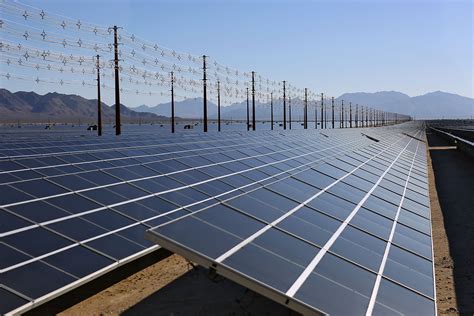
(413, 47)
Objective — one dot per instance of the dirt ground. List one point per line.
(121, 296)
(452, 206)
(173, 287)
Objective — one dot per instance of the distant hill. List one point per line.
(193, 108)
(376, 98)
(431, 105)
(189, 108)
(32, 107)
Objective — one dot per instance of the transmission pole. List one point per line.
(284, 104)
(218, 106)
(204, 86)
(253, 100)
(363, 115)
(366, 116)
(99, 107)
(326, 117)
(350, 114)
(172, 102)
(332, 117)
(271, 110)
(342, 114)
(316, 114)
(248, 119)
(322, 107)
(357, 116)
(289, 109)
(305, 108)
(118, 127)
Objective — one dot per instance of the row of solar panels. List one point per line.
(367, 245)
(75, 209)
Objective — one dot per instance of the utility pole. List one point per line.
(332, 117)
(342, 114)
(204, 86)
(271, 110)
(99, 106)
(322, 107)
(218, 105)
(118, 127)
(289, 109)
(172, 102)
(366, 116)
(325, 117)
(357, 116)
(350, 114)
(316, 114)
(305, 108)
(248, 119)
(284, 104)
(253, 100)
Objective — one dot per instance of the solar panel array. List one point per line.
(260, 206)
(348, 235)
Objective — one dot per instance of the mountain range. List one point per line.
(428, 106)
(32, 107)
(432, 105)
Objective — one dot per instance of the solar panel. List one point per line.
(74, 208)
(348, 235)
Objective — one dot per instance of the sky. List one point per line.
(414, 47)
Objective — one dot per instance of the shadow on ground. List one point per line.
(91, 288)
(454, 174)
(197, 293)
